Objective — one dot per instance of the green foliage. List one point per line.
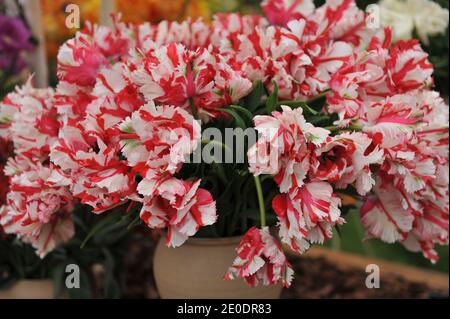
(235, 115)
(272, 100)
(231, 184)
(7, 84)
(102, 246)
(254, 99)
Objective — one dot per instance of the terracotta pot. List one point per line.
(196, 269)
(29, 289)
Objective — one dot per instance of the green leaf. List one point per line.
(108, 220)
(338, 230)
(237, 118)
(58, 279)
(253, 100)
(319, 119)
(253, 214)
(136, 222)
(272, 101)
(207, 232)
(243, 110)
(265, 177)
(112, 287)
(85, 290)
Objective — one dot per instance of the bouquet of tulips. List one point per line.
(322, 108)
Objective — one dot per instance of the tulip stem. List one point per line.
(262, 209)
(194, 110)
(215, 142)
(353, 127)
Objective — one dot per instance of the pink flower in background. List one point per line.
(182, 207)
(260, 259)
(35, 208)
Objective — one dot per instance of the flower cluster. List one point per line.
(128, 128)
(381, 71)
(200, 79)
(131, 102)
(306, 162)
(38, 203)
(387, 94)
(411, 201)
(392, 135)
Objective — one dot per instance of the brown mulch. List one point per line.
(314, 278)
(318, 278)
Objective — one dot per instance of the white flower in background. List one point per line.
(427, 17)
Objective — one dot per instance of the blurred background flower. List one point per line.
(54, 17)
(134, 11)
(157, 10)
(425, 17)
(14, 42)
